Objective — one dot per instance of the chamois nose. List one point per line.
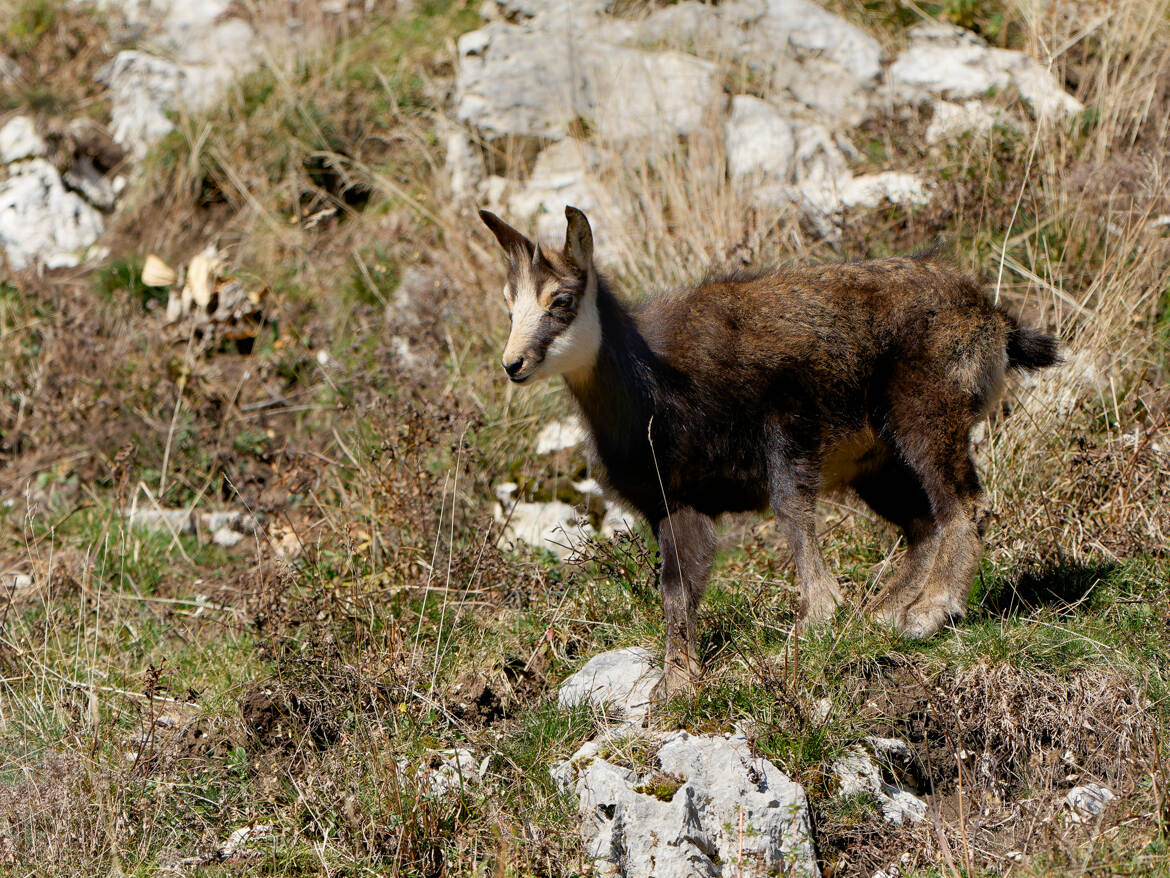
(514, 367)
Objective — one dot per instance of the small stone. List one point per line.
(41, 221)
(1087, 803)
(227, 537)
(618, 681)
(858, 772)
(456, 769)
(170, 521)
(560, 435)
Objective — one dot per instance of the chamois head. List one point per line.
(552, 299)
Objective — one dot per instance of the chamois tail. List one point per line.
(1031, 349)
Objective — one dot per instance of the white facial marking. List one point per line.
(573, 350)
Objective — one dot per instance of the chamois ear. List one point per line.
(513, 242)
(578, 239)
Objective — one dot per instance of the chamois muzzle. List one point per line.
(514, 369)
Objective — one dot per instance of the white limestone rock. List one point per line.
(143, 88)
(1087, 803)
(578, 9)
(952, 121)
(167, 521)
(560, 435)
(513, 81)
(41, 221)
(95, 187)
(858, 772)
(618, 682)
(456, 769)
(760, 141)
(463, 163)
(952, 63)
(825, 203)
(10, 74)
(568, 172)
(554, 526)
(819, 161)
(19, 140)
(205, 48)
(227, 537)
(732, 814)
(616, 520)
(812, 30)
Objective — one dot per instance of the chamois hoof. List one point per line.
(923, 621)
(890, 614)
(819, 606)
(674, 681)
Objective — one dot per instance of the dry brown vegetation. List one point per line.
(158, 692)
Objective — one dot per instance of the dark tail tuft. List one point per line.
(1030, 349)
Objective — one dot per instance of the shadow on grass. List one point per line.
(1056, 584)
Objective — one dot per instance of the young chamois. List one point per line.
(748, 392)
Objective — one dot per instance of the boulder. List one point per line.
(707, 807)
(19, 140)
(618, 682)
(949, 62)
(41, 221)
(813, 31)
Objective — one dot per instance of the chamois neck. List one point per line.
(615, 393)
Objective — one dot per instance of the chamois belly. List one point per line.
(728, 484)
(851, 455)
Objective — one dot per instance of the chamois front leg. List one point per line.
(686, 542)
(794, 502)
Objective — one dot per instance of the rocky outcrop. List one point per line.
(550, 69)
(703, 806)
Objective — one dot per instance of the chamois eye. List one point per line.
(563, 301)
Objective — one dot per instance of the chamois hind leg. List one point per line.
(895, 492)
(793, 493)
(686, 542)
(933, 433)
